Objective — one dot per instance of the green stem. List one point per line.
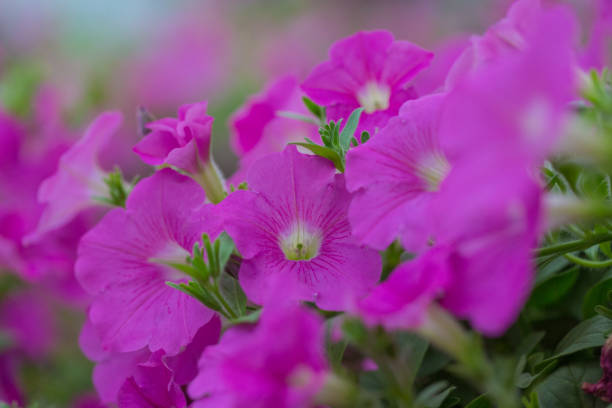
(443, 331)
(573, 246)
(588, 263)
(211, 181)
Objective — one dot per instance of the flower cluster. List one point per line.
(362, 207)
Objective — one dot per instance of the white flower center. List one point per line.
(374, 97)
(300, 243)
(433, 169)
(171, 254)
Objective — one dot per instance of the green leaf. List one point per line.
(252, 317)
(526, 380)
(480, 402)
(233, 294)
(316, 110)
(412, 349)
(434, 395)
(325, 152)
(597, 295)
(554, 288)
(433, 362)
(194, 290)
(349, 128)
(588, 334)
(562, 389)
(225, 249)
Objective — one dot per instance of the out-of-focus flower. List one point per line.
(287, 370)
(123, 263)
(27, 326)
(537, 85)
(78, 181)
(597, 51)
(369, 70)
(603, 388)
(506, 37)
(433, 78)
(187, 57)
(402, 300)
(293, 223)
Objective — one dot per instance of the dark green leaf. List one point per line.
(434, 395)
(554, 288)
(588, 334)
(597, 295)
(233, 294)
(562, 389)
(480, 402)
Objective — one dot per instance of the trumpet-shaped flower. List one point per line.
(125, 377)
(395, 175)
(287, 370)
(182, 142)
(259, 129)
(79, 180)
(123, 262)
(293, 223)
(369, 70)
(506, 37)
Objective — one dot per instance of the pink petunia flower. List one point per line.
(78, 179)
(293, 223)
(287, 369)
(506, 37)
(258, 129)
(396, 174)
(184, 143)
(123, 378)
(369, 70)
(442, 183)
(122, 262)
(402, 300)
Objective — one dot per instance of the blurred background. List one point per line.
(82, 57)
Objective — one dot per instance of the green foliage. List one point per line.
(210, 284)
(336, 142)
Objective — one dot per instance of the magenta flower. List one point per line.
(395, 175)
(287, 369)
(603, 388)
(537, 85)
(183, 142)
(506, 37)
(402, 300)
(492, 230)
(127, 375)
(122, 262)
(78, 181)
(258, 130)
(293, 223)
(369, 70)
(151, 386)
